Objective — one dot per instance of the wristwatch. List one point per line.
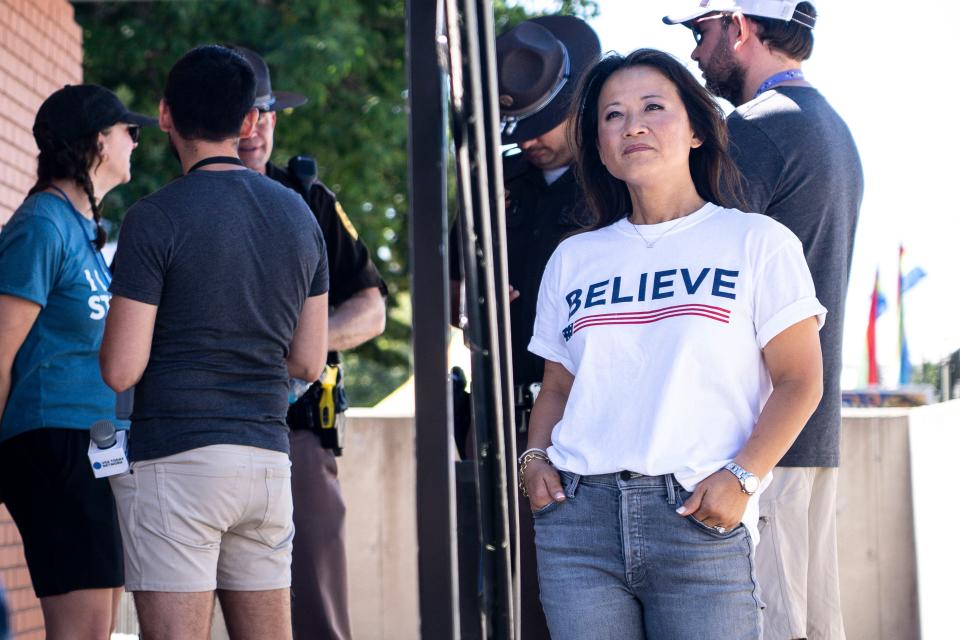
(749, 483)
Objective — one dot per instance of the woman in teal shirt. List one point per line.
(53, 303)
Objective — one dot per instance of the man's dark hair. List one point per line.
(209, 91)
(714, 173)
(792, 39)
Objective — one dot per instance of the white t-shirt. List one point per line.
(665, 343)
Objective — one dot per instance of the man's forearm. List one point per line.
(358, 319)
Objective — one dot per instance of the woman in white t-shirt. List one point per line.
(682, 360)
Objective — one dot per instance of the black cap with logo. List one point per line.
(80, 110)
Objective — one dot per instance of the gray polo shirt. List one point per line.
(801, 167)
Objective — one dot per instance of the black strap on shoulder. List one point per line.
(216, 160)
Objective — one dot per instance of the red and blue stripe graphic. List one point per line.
(647, 317)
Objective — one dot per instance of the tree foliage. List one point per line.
(347, 56)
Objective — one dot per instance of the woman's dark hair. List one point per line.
(714, 173)
(73, 160)
(209, 91)
(792, 38)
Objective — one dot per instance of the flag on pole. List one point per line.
(878, 304)
(905, 282)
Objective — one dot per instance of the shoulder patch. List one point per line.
(345, 221)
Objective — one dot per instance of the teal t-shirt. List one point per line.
(46, 256)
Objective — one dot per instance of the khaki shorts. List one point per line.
(217, 517)
(797, 555)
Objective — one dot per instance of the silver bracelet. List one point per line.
(531, 450)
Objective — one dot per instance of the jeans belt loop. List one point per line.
(671, 489)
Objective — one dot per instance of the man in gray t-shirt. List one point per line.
(219, 297)
(801, 167)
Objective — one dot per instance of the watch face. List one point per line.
(750, 484)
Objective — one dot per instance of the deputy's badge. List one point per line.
(568, 332)
(345, 221)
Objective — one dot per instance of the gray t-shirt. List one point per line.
(228, 258)
(801, 167)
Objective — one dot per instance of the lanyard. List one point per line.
(779, 78)
(216, 160)
(101, 262)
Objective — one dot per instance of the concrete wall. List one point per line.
(40, 50)
(875, 537)
(898, 562)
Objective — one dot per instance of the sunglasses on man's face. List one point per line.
(698, 32)
(134, 131)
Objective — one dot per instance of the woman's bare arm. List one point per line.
(16, 319)
(796, 370)
(542, 480)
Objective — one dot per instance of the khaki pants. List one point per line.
(797, 555)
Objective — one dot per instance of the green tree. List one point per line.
(348, 58)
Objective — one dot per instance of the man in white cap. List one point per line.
(801, 167)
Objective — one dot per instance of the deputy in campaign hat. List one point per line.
(538, 64)
(267, 99)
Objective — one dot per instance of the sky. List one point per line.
(887, 72)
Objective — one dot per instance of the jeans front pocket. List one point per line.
(546, 509)
(712, 531)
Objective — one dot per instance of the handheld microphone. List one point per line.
(108, 449)
(103, 433)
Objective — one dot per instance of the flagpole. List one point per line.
(906, 371)
(873, 377)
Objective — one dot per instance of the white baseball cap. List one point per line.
(776, 9)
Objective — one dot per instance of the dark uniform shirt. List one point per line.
(538, 218)
(351, 269)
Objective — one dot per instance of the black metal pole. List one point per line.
(436, 515)
(486, 33)
(476, 150)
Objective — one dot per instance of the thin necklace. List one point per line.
(650, 243)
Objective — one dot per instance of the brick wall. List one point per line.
(26, 620)
(40, 51)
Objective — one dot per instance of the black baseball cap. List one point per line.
(267, 99)
(80, 110)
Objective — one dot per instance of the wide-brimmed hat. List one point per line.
(538, 65)
(777, 9)
(267, 99)
(80, 110)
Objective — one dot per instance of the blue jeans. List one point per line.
(616, 561)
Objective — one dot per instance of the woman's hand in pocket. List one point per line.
(717, 501)
(543, 484)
